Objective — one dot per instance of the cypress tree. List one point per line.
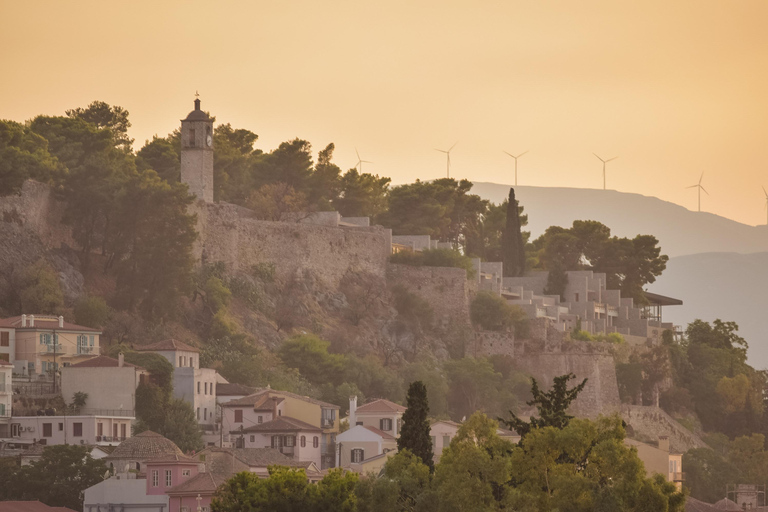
(512, 247)
(414, 433)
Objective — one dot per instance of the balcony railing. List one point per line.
(678, 477)
(123, 413)
(57, 349)
(86, 350)
(110, 439)
(327, 423)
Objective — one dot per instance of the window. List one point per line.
(205, 387)
(315, 442)
(290, 441)
(179, 360)
(114, 430)
(61, 427)
(122, 430)
(358, 423)
(434, 441)
(198, 413)
(303, 441)
(77, 429)
(191, 137)
(5, 339)
(205, 413)
(155, 478)
(198, 388)
(277, 441)
(576, 295)
(279, 413)
(239, 416)
(253, 438)
(385, 424)
(261, 419)
(2, 409)
(47, 429)
(185, 472)
(99, 429)
(168, 478)
(91, 339)
(446, 441)
(358, 455)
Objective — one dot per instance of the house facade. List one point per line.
(109, 383)
(194, 385)
(7, 343)
(43, 344)
(96, 429)
(659, 459)
(360, 444)
(380, 414)
(304, 416)
(6, 398)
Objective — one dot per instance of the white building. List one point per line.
(109, 383)
(194, 385)
(381, 414)
(6, 397)
(87, 430)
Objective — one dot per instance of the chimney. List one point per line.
(31, 320)
(23, 320)
(352, 410)
(664, 443)
(120, 360)
(61, 321)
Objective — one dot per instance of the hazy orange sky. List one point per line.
(673, 88)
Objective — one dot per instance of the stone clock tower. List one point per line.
(197, 153)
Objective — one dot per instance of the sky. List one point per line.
(674, 89)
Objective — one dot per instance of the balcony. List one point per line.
(677, 477)
(122, 413)
(87, 350)
(54, 349)
(327, 423)
(287, 450)
(110, 439)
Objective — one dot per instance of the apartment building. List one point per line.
(6, 398)
(380, 414)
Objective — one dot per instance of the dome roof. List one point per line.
(147, 445)
(197, 114)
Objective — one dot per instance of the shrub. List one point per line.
(412, 308)
(92, 312)
(435, 258)
(493, 313)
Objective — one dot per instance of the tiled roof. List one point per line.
(167, 459)
(30, 506)
(380, 405)
(166, 345)
(205, 483)
(380, 433)
(259, 401)
(234, 389)
(254, 398)
(102, 362)
(147, 445)
(280, 424)
(44, 322)
(253, 457)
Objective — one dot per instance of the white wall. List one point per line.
(107, 388)
(123, 492)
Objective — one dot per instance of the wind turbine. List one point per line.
(360, 162)
(698, 185)
(448, 157)
(766, 204)
(604, 162)
(516, 157)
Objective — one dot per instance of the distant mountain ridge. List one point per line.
(679, 230)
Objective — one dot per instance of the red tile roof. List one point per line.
(30, 506)
(102, 362)
(380, 405)
(229, 389)
(280, 424)
(202, 483)
(256, 397)
(167, 345)
(44, 322)
(379, 433)
(169, 459)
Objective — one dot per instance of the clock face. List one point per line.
(209, 141)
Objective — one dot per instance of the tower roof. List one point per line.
(197, 114)
(147, 445)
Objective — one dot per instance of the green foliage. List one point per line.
(404, 486)
(163, 156)
(58, 479)
(309, 354)
(629, 377)
(415, 311)
(102, 115)
(362, 195)
(24, 155)
(430, 373)
(217, 295)
(79, 399)
(151, 403)
(92, 311)
(435, 258)
(473, 385)
(552, 406)
(611, 337)
(512, 240)
(40, 291)
(180, 426)
(493, 313)
(287, 490)
(414, 433)
(159, 368)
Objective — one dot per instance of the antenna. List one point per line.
(516, 157)
(360, 162)
(448, 158)
(698, 185)
(604, 162)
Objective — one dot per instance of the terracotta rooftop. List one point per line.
(30, 506)
(102, 362)
(166, 345)
(380, 433)
(280, 424)
(166, 459)
(147, 445)
(234, 389)
(256, 398)
(45, 323)
(380, 405)
(202, 483)
(253, 457)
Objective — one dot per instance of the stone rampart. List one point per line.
(230, 234)
(446, 289)
(37, 210)
(649, 422)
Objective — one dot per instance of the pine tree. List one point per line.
(552, 406)
(512, 245)
(414, 434)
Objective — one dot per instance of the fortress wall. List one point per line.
(446, 289)
(229, 234)
(38, 211)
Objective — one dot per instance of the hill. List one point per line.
(721, 285)
(679, 230)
